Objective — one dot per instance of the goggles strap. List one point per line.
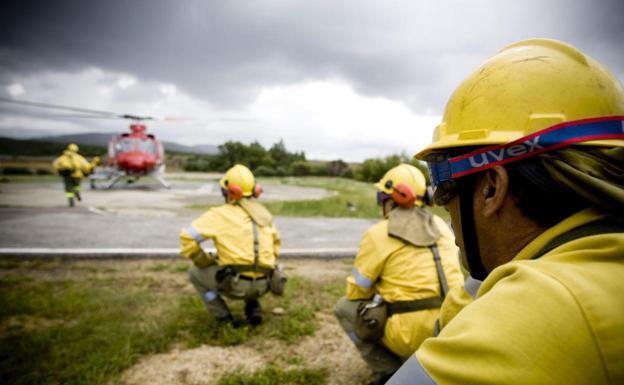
(471, 242)
(549, 139)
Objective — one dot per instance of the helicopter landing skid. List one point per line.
(107, 177)
(116, 179)
(162, 181)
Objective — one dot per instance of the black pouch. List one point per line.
(224, 277)
(370, 320)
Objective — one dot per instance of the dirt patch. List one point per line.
(203, 365)
(329, 348)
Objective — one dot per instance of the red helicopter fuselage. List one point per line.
(136, 152)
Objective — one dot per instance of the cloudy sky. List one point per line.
(337, 79)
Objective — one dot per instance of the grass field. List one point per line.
(353, 199)
(108, 322)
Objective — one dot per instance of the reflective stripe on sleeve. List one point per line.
(195, 234)
(353, 337)
(472, 286)
(361, 280)
(411, 373)
(210, 296)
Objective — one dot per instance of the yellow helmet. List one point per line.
(533, 96)
(73, 147)
(405, 184)
(239, 182)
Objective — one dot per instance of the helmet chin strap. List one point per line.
(471, 242)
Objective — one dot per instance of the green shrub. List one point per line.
(43, 171)
(265, 171)
(16, 171)
(300, 168)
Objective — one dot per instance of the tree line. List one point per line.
(278, 161)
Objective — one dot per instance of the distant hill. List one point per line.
(32, 147)
(102, 139)
(90, 144)
(204, 149)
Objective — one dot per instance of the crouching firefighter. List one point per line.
(247, 245)
(72, 167)
(404, 268)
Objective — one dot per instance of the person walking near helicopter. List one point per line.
(404, 268)
(72, 167)
(247, 244)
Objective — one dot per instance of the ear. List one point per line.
(257, 190)
(494, 189)
(234, 192)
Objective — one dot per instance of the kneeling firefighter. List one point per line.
(247, 246)
(404, 268)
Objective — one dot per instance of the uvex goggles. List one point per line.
(444, 170)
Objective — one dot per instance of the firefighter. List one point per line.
(405, 266)
(529, 162)
(72, 167)
(247, 245)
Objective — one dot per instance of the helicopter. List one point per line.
(131, 155)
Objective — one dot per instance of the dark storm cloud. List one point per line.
(224, 51)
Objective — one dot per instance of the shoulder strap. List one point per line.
(424, 303)
(440, 270)
(602, 226)
(256, 245)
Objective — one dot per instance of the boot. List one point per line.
(70, 201)
(253, 311)
(77, 194)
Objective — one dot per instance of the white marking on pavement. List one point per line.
(97, 211)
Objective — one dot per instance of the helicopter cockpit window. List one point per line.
(147, 146)
(124, 145)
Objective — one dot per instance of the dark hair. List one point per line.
(538, 196)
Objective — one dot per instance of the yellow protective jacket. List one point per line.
(557, 319)
(230, 227)
(401, 271)
(75, 163)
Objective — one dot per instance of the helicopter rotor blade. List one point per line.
(103, 114)
(95, 114)
(56, 107)
(136, 117)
